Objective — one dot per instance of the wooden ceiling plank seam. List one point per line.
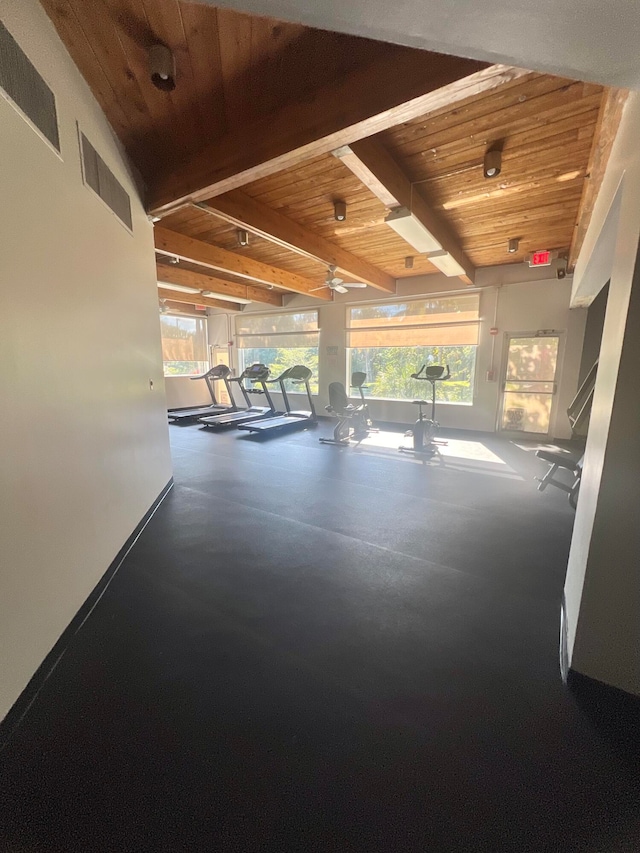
(112, 59)
(517, 135)
(264, 64)
(611, 110)
(561, 164)
(500, 126)
(387, 179)
(506, 97)
(179, 245)
(134, 34)
(196, 299)
(302, 130)
(235, 59)
(463, 196)
(203, 41)
(244, 212)
(430, 134)
(534, 205)
(472, 157)
(83, 54)
(165, 21)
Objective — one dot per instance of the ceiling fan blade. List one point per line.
(322, 287)
(339, 289)
(354, 284)
(334, 281)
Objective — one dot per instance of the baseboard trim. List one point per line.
(23, 703)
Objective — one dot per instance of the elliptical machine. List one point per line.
(424, 429)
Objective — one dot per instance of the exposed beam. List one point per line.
(197, 299)
(611, 108)
(404, 86)
(172, 274)
(243, 211)
(378, 170)
(173, 244)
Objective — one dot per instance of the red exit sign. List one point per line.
(540, 259)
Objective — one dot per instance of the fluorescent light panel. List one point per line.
(181, 288)
(211, 294)
(446, 264)
(405, 224)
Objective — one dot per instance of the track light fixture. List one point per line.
(492, 163)
(514, 245)
(340, 211)
(243, 237)
(162, 68)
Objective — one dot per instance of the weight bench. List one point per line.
(557, 460)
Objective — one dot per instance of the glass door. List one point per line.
(529, 383)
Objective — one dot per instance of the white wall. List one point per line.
(528, 300)
(182, 392)
(83, 439)
(602, 589)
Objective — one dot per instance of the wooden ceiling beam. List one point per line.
(607, 124)
(237, 208)
(378, 170)
(172, 274)
(406, 85)
(197, 299)
(177, 245)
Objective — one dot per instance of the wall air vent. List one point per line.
(26, 88)
(102, 181)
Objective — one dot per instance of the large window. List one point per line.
(279, 341)
(184, 345)
(389, 342)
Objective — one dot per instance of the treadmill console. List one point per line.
(256, 373)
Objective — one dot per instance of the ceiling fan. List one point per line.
(334, 283)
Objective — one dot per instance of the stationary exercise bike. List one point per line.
(354, 422)
(425, 429)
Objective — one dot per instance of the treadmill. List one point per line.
(299, 374)
(218, 373)
(257, 374)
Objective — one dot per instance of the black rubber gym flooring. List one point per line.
(323, 649)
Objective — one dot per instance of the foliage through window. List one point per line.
(389, 342)
(184, 345)
(279, 341)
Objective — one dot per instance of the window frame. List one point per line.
(207, 359)
(413, 326)
(289, 333)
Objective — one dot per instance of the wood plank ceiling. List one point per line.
(234, 71)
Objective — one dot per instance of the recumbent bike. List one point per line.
(354, 421)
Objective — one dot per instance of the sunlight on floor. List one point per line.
(533, 446)
(461, 455)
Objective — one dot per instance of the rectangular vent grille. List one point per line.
(101, 179)
(26, 88)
